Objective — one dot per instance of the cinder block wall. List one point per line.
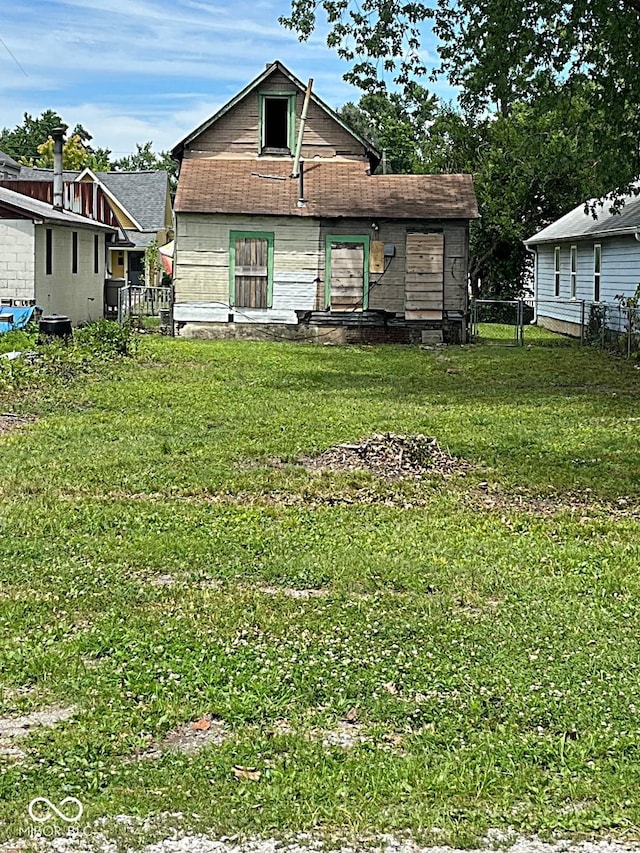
(17, 259)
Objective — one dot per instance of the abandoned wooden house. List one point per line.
(279, 220)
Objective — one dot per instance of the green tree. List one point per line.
(24, 139)
(145, 159)
(529, 167)
(31, 143)
(500, 53)
(76, 155)
(397, 125)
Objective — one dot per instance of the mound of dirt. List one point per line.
(391, 456)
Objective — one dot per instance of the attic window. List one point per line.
(277, 115)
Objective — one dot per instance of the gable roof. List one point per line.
(577, 223)
(177, 151)
(332, 189)
(6, 160)
(41, 210)
(141, 195)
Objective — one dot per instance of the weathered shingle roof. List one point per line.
(331, 189)
(47, 212)
(578, 224)
(142, 194)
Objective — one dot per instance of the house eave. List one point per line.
(592, 235)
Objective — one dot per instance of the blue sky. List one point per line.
(137, 70)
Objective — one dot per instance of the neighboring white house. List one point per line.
(53, 258)
(141, 202)
(581, 260)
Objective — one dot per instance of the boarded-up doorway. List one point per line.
(424, 281)
(347, 268)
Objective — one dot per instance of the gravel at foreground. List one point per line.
(98, 843)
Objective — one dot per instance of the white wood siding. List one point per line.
(238, 131)
(620, 275)
(202, 267)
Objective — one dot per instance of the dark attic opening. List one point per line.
(276, 123)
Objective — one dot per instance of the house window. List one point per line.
(277, 122)
(574, 272)
(597, 263)
(48, 251)
(556, 271)
(251, 269)
(74, 251)
(96, 254)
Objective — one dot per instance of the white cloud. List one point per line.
(136, 70)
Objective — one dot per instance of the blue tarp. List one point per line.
(20, 318)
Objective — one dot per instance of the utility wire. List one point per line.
(3, 43)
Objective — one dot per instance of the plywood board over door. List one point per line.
(424, 280)
(348, 274)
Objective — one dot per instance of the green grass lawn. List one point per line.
(163, 557)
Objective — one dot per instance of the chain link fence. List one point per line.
(607, 325)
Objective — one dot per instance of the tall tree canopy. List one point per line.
(526, 166)
(500, 52)
(145, 158)
(549, 103)
(31, 143)
(396, 123)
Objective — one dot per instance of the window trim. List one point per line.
(96, 254)
(251, 235)
(573, 272)
(291, 97)
(346, 238)
(597, 274)
(557, 264)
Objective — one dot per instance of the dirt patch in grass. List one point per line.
(10, 422)
(13, 729)
(292, 592)
(390, 456)
(190, 737)
(492, 498)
